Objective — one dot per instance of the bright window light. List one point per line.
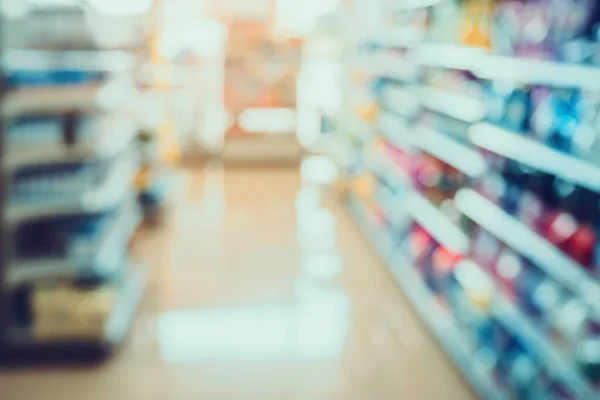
(50, 3)
(268, 120)
(319, 169)
(314, 329)
(205, 38)
(120, 7)
(297, 18)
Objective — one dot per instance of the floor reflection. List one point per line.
(263, 290)
(314, 326)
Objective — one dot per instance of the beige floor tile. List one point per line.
(263, 289)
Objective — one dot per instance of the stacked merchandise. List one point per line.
(68, 290)
(478, 181)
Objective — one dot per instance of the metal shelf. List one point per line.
(450, 151)
(400, 100)
(456, 105)
(435, 316)
(446, 232)
(23, 349)
(390, 65)
(531, 245)
(400, 38)
(539, 72)
(535, 154)
(400, 134)
(507, 68)
(107, 195)
(87, 60)
(407, 5)
(513, 319)
(52, 100)
(395, 129)
(104, 260)
(108, 137)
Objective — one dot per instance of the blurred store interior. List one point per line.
(300, 199)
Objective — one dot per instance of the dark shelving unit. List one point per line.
(70, 171)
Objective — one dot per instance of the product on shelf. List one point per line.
(560, 25)
(63, 312)
(69, 213)
(505, 150)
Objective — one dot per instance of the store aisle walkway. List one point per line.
(263, 290)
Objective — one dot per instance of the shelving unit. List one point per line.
(529, 243)
(68, 291)
(19, 347)
(537, 155)
(102, 257)
(513, 319)
(456, 105)
(451, 133)
(507, 68)
(106, 139)
(435, 316)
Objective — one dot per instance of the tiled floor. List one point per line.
(263, 290)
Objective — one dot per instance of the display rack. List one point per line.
(437, 317)
(430, 236)
(68, 291)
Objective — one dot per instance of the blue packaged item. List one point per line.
(34, 131)
(565, 104)
(24, 78)
(543, 113)
(513, 348)
(524, 380)
(495, 98)
(586, 138)
(530, 279)
(86, 237)
(511, 199)
(49, 130)
(585, 48)
(508, 106)
(56, 183)
(518, 110)
(61, 237)
(377, 85)
(560, 390)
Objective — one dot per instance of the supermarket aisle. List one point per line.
(263, 290)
